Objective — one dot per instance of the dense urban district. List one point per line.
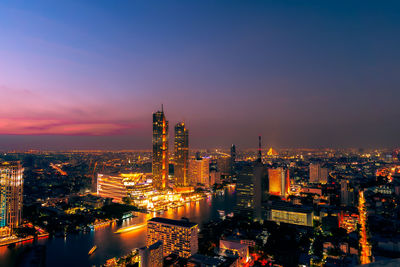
(294, 207)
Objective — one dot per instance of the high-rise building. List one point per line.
(347, 194)
(199, 171)
(11, 197)
(249, 189)
(233, 159)
(181, 168)
(160, 151)
(279, 182)
(178, 236)
(151, 255)
(318, 174)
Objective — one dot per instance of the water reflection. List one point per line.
(74, 249)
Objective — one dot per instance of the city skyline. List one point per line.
(300, 75)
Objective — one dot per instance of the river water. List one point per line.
(73, 250)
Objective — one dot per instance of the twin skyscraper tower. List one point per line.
(160, 164)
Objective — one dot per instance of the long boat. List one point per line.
(91, 251)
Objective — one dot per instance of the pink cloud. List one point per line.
(27, 126)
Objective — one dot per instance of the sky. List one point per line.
(89, 74)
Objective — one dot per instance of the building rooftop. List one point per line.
(156, 245)
(181, 223)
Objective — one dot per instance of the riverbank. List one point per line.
(16, 240)
(112, 245)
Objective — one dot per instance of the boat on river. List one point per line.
(91, 251)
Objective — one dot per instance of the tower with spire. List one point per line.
(160, 163)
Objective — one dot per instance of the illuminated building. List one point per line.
(284, 212)
(181, 155)
(178, 236)
(11, 186)
(318, 174)
(249, 189)
(121, 185)
(160, 151)
(199, 171)
(215, 177)
(279, 183)
(151, 255)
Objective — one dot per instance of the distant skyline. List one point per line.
(89, 74)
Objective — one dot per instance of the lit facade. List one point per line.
(181, 155)
(122, 185)
(152, 255)
(178, 236)
(160, 164)
(291, 214)
(279, 182)
(11, 196)
(318, 174)
(199, 171)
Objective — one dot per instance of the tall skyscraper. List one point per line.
(249, 189)
(181, 154)
(11, 186)
(318, 174)
(160, 150)
(178, 236)
(233, 159)
(279, 182)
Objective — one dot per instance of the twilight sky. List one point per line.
(88, 74)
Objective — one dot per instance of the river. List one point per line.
(73, 250)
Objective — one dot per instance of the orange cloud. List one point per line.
(22, 126)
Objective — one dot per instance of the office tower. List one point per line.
(11, 186)
(178, 236)
(181, 155)
(279, 182)
(160, 150)
(233, 159)
(347, 194)
(318, 174)
(224, 165)
(152, 255)
(199, 171)
(249, 190)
